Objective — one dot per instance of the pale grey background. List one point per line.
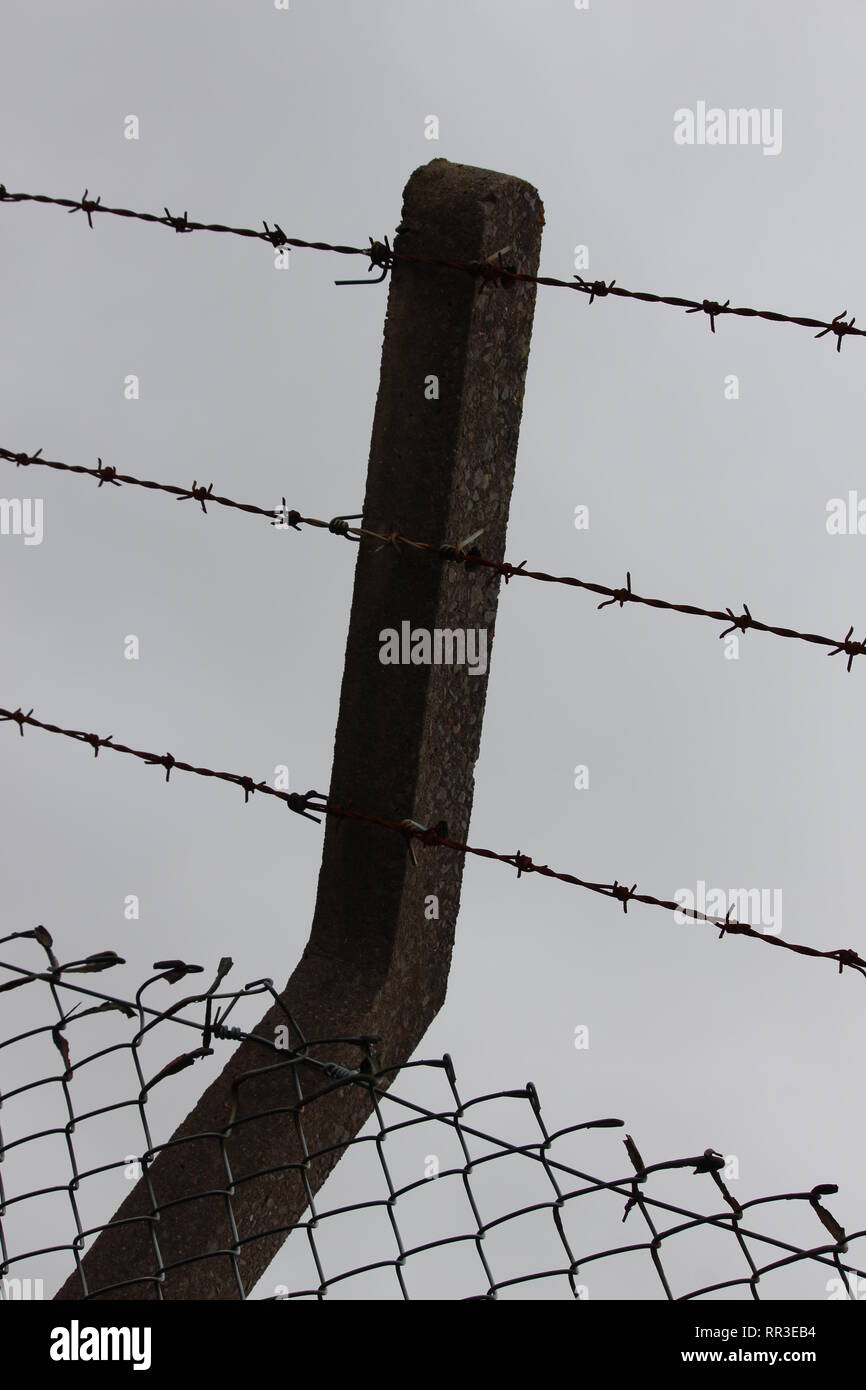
(743, 773)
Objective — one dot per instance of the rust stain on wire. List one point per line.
(463, 552)
(492, 273)
(437, 836)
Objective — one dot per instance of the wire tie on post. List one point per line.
(463, 546)
(460, 552)
(339, 525)
(492, 271)
(334, 1069)
(381, 258)
(411, 826)
(508, 570)
(301, 805)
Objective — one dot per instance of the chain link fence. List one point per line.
(438, 1196)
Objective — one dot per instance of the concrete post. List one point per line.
(441, 465)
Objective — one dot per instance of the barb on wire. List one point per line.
(276, 237)
(491, 272)
(301, 804)
(464, 552)
(561, 1190)
(381, 258)
(436, 836)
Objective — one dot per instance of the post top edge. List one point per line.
(469, 179)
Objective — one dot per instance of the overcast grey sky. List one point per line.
(740, 773)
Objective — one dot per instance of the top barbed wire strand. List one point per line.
(461, 552)
(493, 271)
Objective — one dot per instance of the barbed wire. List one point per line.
(437, 836)
(492, 272)
(563, 1181)
(274, 235)
(462, 552)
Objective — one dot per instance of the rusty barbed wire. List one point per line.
(462, 552)
(437, 836)
(565, 1183)
(294, 800)
(214, 1026)
(492, 273)
(274, 235)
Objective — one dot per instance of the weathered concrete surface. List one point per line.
(406, 744)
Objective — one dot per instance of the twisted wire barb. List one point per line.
(306, 803)
(492, 273)
(463, 552)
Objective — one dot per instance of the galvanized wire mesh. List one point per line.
(444, 1197)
